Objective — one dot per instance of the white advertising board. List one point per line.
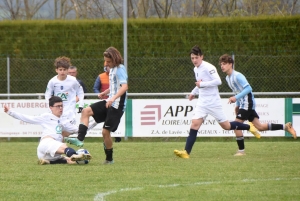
(296, 117)
(11, 127)
(172, 118)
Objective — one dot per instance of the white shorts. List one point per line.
(217, 112)
(47, 148)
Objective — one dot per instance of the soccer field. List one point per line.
(149, 171)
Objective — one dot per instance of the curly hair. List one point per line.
(114, 55)
(226, 59)
(63, 61)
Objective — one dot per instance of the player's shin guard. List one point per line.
(274, 127)
(190, 140)
(240, 142)
(234, 125)
(82, 132)
(69, 151)
(109, 154)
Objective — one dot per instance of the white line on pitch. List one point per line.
(101, 196)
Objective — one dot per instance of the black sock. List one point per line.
(190, 140)
(274, 127)
(238, 126)
(59, 161)
(69, 151)
(240, 142)
(109, 154)
(81, 132)
(118, 139)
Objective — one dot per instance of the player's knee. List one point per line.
(87, 111)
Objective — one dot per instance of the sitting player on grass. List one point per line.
(51, 148)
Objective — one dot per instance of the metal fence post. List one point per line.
(125, 39)
(8, 82)
(8, 76)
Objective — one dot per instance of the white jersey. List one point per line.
(52, 125)
(210, 80)
(67, 90)
(117, 77)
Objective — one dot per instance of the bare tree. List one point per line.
(143, 7)
(98, 10)
(12, 9)
(32, 7)
(116, 8)
(130, 7)
(82, 8)
(293, 7)
(162, 9)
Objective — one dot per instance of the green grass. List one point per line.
(149, 171)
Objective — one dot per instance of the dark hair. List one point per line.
(114, 55)
(196, 51)
(62, 62)
(226, 59)
(53, 100)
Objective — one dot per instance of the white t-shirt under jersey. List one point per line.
(67, 89)
(208, 91)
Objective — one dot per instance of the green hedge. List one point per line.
(150, 37)
(85, 41)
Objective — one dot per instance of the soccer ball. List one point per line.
(82, 151)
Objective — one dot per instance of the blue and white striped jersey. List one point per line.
(238, 82)
(117, 77)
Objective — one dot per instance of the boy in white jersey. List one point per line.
(51, 148)
(209, 102)
(67, 88)
(110, 110)
(245, 103)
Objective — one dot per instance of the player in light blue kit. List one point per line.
(245, 103)
(209, 102)
(110, 110)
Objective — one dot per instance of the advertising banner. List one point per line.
(296, 117)
(172, 118)
(11, 127)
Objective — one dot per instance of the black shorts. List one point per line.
(110, 116)
(246, 115)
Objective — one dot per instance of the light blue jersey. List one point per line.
(117, 77)
(242, 90)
